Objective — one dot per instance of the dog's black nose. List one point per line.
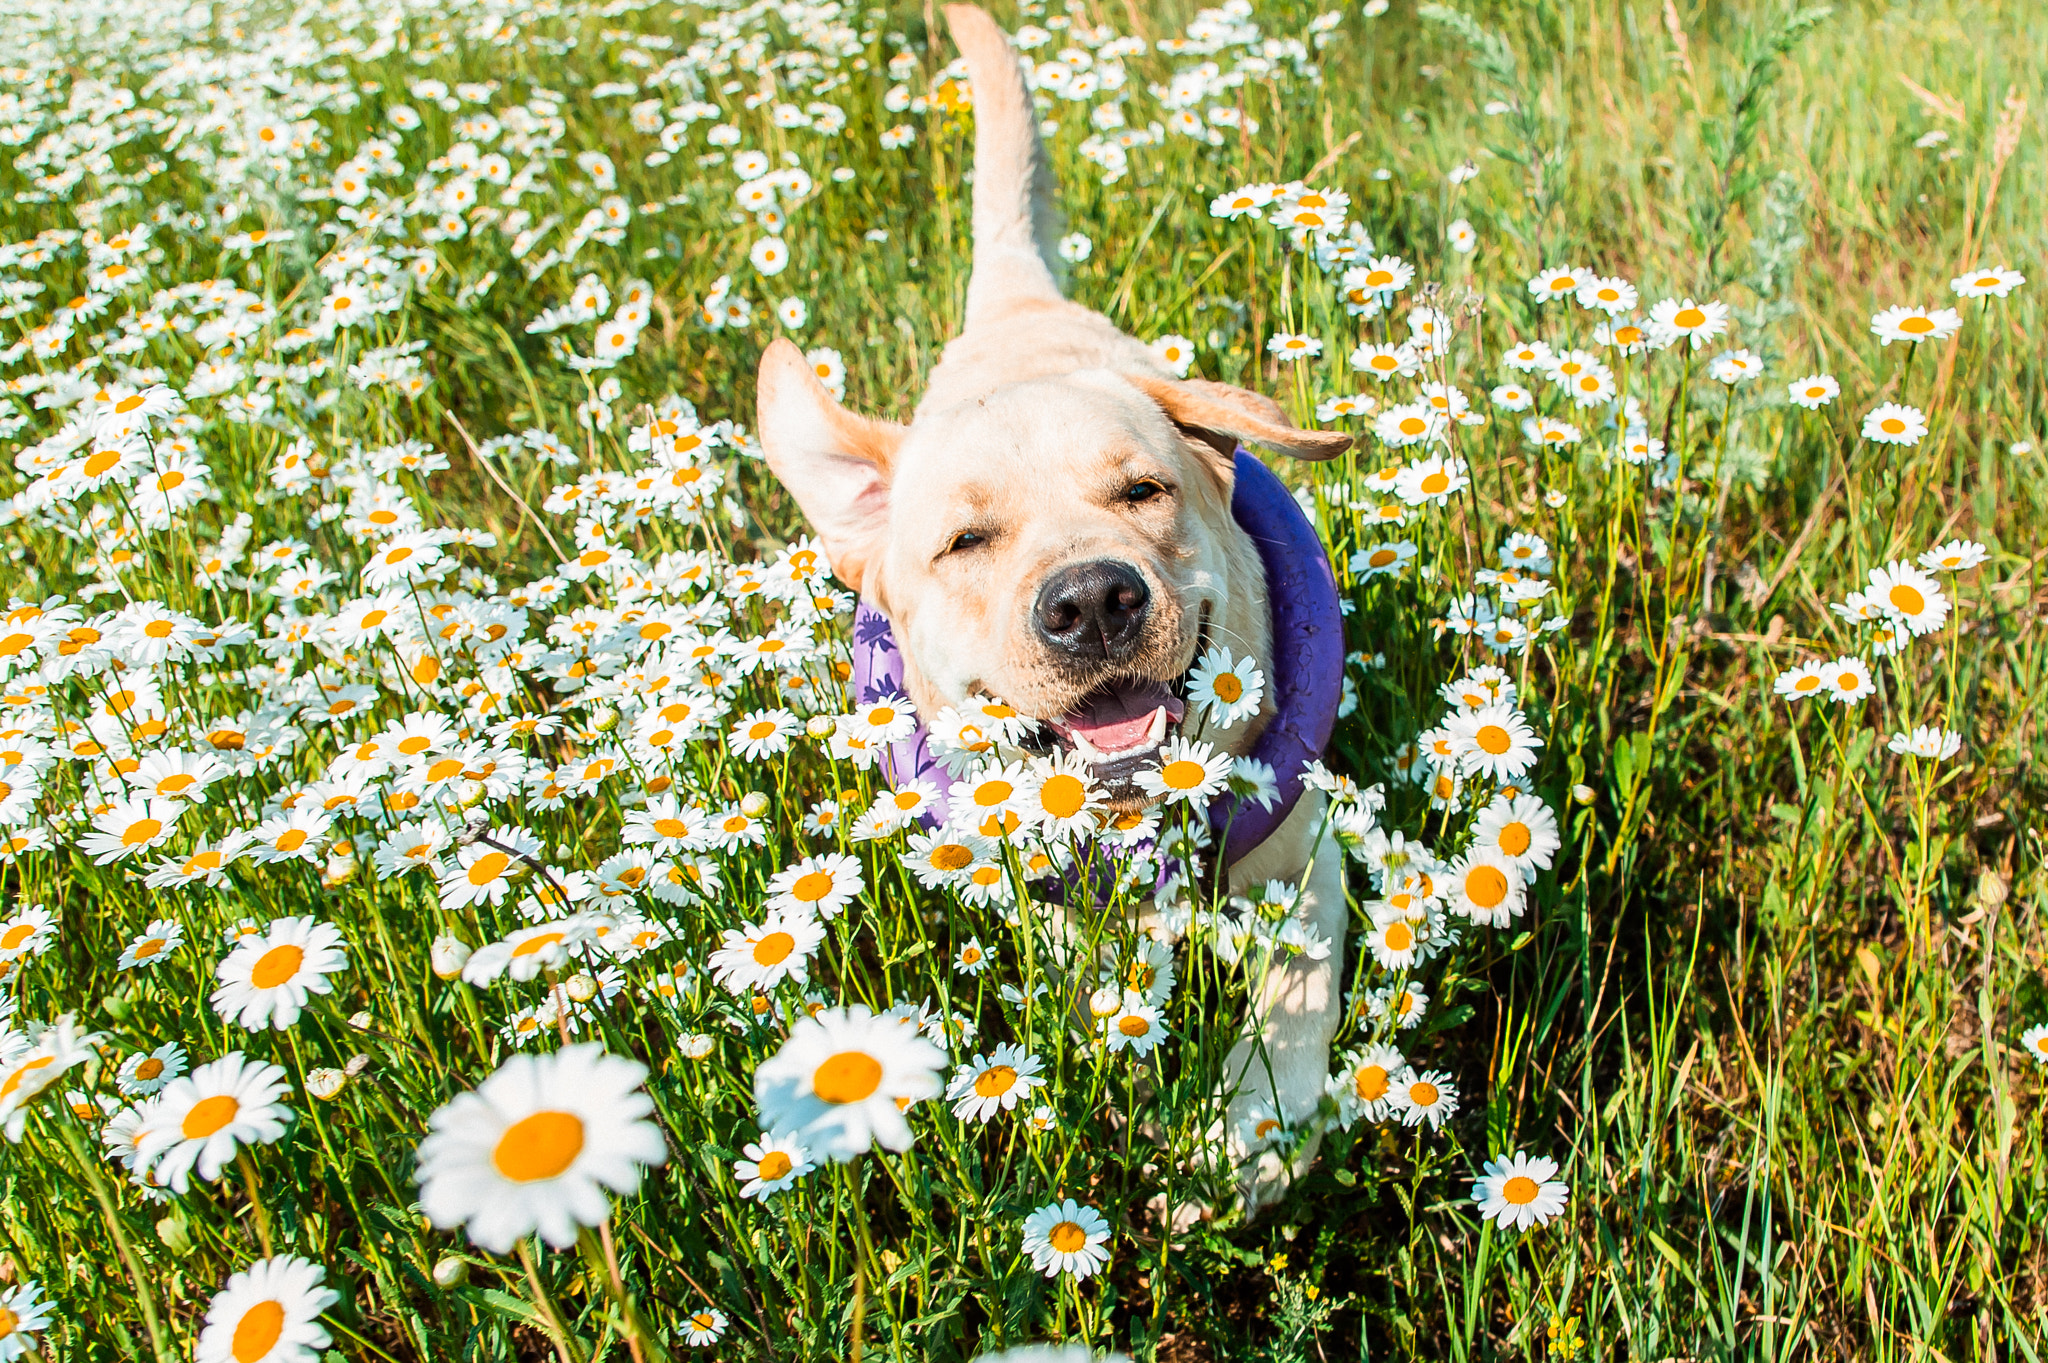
(1094, 610)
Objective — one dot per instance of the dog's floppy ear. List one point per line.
(834, 462)
(1222, 414)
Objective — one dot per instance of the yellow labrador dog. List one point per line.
(1054, 527)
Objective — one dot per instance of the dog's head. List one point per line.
(1064, 543)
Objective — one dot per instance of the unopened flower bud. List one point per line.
(450, 1271)
(754, 804)
(360, 1021)
(338, 872)
(819, 726)
(1105, 1001)
(698, 1045)
(604, 719)
(1582, 794)
(1991, 888)
(325, 1082)
(448, 955)
(582, 986)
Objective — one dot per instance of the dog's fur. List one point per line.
(1039, 420)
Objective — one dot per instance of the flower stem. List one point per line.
(159, 1343)
(551, 1319)
(248, 1167)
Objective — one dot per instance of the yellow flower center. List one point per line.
(209, 1115)
(774, 948)
(950, 856)
(1370, 1083)
(1493, 739)
(257, 1332)
(1063, 794)
(1906, 599)
(995, 1081)
(487, 868)
(848, 1077)
(1520, 1190)
(276, 966)
(1485, 886)
(1067, 1237)
(1689, 317)
(773, 1165)
(1422, 1093)
(539, 1147)
(1514, 839)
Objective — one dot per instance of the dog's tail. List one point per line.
(1016, 213)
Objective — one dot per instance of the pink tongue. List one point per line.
(1116, 718)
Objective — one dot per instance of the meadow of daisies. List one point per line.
(456, 907)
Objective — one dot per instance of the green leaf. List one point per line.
(507, 1305)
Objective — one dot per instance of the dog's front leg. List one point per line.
(1281, 1064)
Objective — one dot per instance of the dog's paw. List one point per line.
(1269, 1153)
(1184, 1215)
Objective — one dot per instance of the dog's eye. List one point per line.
(1144, 490)
(966, 539)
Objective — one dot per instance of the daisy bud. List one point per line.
(339, 871)
(472, 795)
(582, 986)
(325, 1082)
(360, 1021)
(698, 1045)
(451, 1271)
(754, 804)
(1105, 1001)
(357, 1063)
(819, 726)
(1991, 888)
(448, 955)
(1582, 794)
(604, 719)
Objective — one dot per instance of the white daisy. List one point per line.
(773, 1163)
(1519, 1192)
(1067, 1237)
(843, 1079)
(994, 1083)
(536, 1147)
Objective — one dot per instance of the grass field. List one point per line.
(379, 384)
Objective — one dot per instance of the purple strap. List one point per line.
(1308, 660)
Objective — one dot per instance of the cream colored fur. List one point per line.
(1036, 420)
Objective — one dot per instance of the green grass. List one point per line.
(1766, 1009)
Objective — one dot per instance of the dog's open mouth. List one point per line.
(1118, 727)
(1119, 720)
